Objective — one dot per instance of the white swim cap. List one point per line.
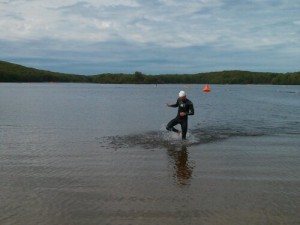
(181, 94)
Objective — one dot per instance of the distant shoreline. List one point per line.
(14, 73)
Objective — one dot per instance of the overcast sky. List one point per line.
(151, 36)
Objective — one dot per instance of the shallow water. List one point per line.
(99, 154)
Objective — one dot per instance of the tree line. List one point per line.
(10, 72)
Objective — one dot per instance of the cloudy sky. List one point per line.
(151, 36)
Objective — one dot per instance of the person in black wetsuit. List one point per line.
(185, 109)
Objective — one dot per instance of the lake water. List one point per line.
(99, 154)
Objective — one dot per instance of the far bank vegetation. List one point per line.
(10, 72)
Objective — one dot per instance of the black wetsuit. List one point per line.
(183, 106)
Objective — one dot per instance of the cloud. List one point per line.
(128, 34)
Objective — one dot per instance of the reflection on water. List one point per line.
(180, 164)
(66, 160)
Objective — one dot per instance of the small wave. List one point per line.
(200, 135)
(290, 92)
(161, 138)
(149, 140)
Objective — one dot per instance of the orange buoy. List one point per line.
(206, 88)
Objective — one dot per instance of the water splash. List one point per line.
(165, 139)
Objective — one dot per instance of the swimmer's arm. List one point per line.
(173, 105)
(191, 111)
